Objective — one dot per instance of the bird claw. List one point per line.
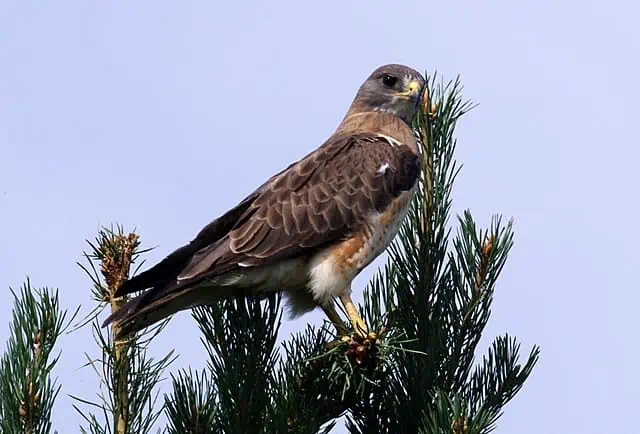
(363, 333)
(360, 332)
(354, 338)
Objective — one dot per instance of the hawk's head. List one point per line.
(393, 89)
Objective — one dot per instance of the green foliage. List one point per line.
(131, 370)
(27, 392)
(192, 406)
(127, 399)
(240, 335)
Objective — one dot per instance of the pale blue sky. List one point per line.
(140, 114)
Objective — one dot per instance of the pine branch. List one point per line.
(239, 335)
(304, 399)
(27, 392)
(255, 391)
(498, 378)
(192, 406)
(318, 380)
(115, 252)
(128, 376)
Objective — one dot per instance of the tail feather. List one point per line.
(160, 273)
(152, 307)
(170, 267)
(159, 303)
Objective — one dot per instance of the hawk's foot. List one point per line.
(335, 319)
(359, 326)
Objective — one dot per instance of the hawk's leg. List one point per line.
(356, 320)
(335, 319)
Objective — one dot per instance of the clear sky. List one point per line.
(161, 115)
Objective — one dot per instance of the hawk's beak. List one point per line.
(414, 89)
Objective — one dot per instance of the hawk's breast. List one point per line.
(376, 236)
(332, 270)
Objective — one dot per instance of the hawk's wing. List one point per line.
(320, 199)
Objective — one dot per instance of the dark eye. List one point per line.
(389, 80)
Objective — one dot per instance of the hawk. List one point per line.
(309, 229)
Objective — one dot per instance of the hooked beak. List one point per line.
(414, 90)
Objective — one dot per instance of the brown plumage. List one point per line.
(310, 229)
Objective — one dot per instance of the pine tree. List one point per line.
(428, 306)
(27, 390)
(128, 377)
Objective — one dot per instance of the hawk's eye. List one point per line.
(389, 80)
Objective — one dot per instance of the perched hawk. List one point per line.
(310, 229)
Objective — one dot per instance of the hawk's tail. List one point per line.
(151, 307)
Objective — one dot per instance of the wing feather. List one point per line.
(342, 185)
(323, 198)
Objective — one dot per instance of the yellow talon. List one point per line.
(359, 326)
(335, 319)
